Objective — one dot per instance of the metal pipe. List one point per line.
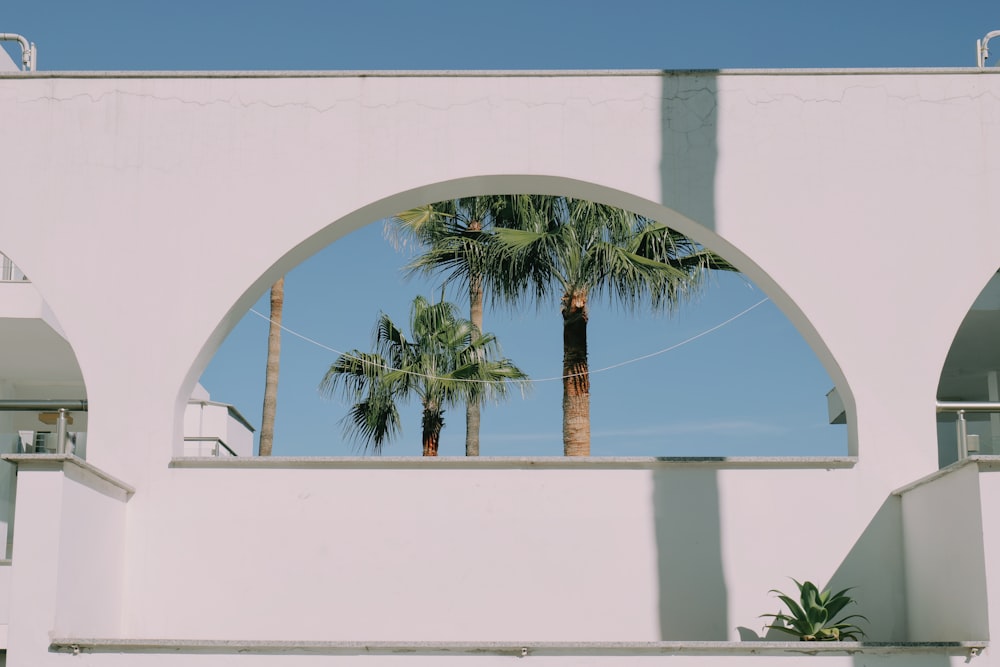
(18, 405)
(61, 432)
(983, 48)
(970, 406)
(27, 49)
(962, 431)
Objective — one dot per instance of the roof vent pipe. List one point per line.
(983, 48)
(27, 50)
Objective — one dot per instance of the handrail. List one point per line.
(62, 421)
(21, 405)
(983, 48)
(968, 406)
(29, 53)
(211, 438)
(961, 425)
(230, 408)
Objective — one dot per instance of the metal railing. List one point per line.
(967, 442)
(9, 272)
(217, 447)
(57, 413)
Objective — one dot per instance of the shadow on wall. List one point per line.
(689, 124)
(874, 568)
(692, 586)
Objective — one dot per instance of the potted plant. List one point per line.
(814, 616)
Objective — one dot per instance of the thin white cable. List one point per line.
(684, 342)
(549, 379)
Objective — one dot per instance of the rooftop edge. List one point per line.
(319, 74)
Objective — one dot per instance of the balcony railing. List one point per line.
(969, 442)
(35, 427)
(9, 272)
(202, 446)
(42, 426)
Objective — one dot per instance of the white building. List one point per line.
(863, 202)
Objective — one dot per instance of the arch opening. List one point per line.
(971, 375)
(39, 372)
(747, 366)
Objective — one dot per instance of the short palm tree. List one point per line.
(447, 362)
(578, 250)
(451, 236)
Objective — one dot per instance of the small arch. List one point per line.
(553, 185)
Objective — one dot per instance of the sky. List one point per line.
(751, 386)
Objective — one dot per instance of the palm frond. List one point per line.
(448, 361)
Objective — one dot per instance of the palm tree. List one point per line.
(273, 366)
(579, 250)
(451, 233)
(447, 362)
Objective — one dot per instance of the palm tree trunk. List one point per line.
(472, 408)
(273, 364)
(576, 376)
(433, 421)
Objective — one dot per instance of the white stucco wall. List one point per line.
(501, 554)
(827, 189)
(68, 563)
(91, 565)
(945, 565)
(811, 176)
(989, 489)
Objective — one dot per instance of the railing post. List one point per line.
(962, 429)
(61, 432)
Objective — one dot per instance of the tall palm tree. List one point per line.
(447, 362)
(578, 250)
(451, 234)
(273, 367)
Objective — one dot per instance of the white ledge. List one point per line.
(517, 462)
(985, 463)
(519, 649)
(74, 468)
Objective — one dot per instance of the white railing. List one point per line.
(206, 446)
(9, 272)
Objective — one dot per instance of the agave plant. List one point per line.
(814, 616)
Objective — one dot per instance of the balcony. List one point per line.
(9, 272)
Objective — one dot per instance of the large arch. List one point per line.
(552, 185)
(186, 191)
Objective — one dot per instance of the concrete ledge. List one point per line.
(518, 649)
(74, 468)
(515, 462)
(985, 463)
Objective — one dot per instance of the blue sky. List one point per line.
(752, 387)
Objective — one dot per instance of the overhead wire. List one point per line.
(682, 343)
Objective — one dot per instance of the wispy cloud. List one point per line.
(547, 436)
(717, 428)
(697, 428)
